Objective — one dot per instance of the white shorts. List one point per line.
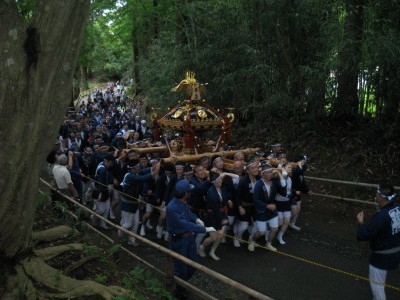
(149, 208)
(284, 214)
(116, 196)
(273, 223)
(261, 226)
(377, 275)
(128, 219)
(102, 207)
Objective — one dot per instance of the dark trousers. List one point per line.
(185, 246)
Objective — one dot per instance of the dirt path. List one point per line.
(325, 238)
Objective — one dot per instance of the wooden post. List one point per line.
(169, 274)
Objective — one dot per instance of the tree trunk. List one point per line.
(38, 64)
(181, 21)
(136, 78)
(155, 20)
(346, 105)
(84, 78)
(389, 87)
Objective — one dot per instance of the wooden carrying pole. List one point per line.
(195, 265)
(347, 182)
(149, 150)
(229, 166)
(188, 158)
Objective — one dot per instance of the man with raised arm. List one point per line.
(383, 234)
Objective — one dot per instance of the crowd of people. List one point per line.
(253, 197)
(93, 161)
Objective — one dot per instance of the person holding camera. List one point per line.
(383, 234)
(182, 224)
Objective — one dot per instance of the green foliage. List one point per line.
(26, 9)
(104, 260)
(153, 285)
(127, 283)
(114, 248)
(137, 274)
(101, 279)
(122, 298)
(103, 51)
(91, 250)
(268, 59)
(43, 200)
(60, 206)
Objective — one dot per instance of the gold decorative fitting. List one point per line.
(202, 114)
(177, 113)
(231, 117)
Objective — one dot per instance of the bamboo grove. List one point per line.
(309, 60)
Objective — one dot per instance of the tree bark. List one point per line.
(346, 105)
(37, 62)
(155, 20)
(389, 86)
(84, 78)
(181, 21)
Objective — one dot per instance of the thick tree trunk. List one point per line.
(346, 105)
(37, 63)
(84, 78)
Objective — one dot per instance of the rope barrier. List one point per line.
(197, 266)
(344, 199)
(278, 252)
(347, 182)
(182, 282)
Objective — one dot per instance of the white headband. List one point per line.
(267, 170)
(387, 197)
